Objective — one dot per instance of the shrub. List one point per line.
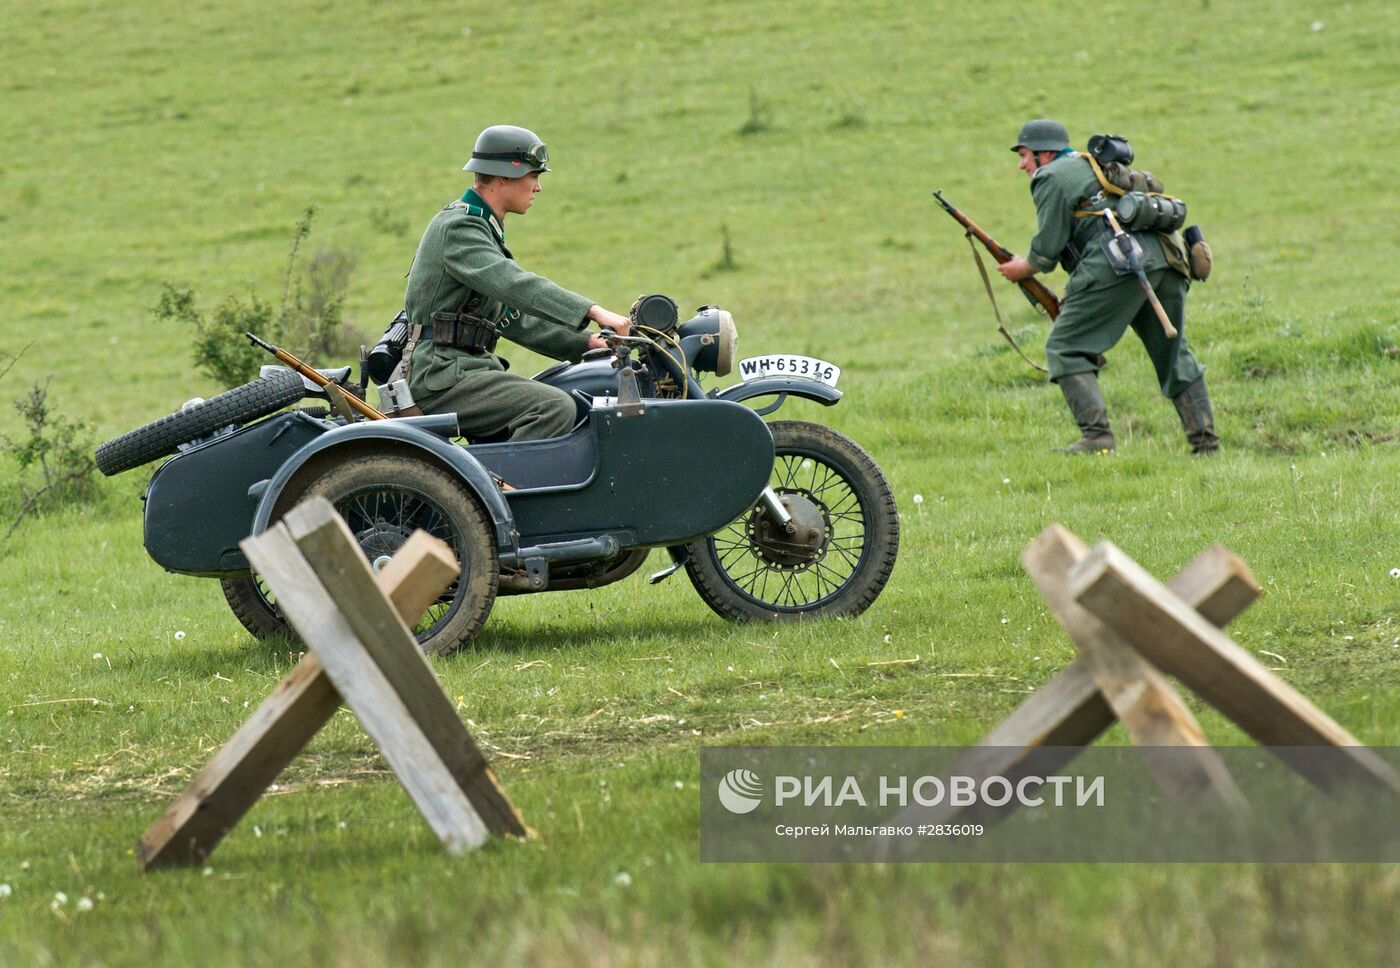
(308, 322)
(61, 450)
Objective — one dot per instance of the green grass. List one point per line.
(152, 142)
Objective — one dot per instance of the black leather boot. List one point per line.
(1085, 401)
(1197, 418)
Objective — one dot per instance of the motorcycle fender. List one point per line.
(405, 434)
(783, 385)
(196, 506)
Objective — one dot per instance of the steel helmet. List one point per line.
(508, 152)
(1042, 134)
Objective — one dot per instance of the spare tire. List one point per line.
(237, 406)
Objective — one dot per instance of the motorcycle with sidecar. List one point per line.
(771, 521)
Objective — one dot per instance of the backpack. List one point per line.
(1142, 206)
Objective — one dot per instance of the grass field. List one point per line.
(150, 142)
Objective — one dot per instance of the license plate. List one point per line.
(786, 364)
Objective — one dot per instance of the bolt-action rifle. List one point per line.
(336, 393)
(1035, 291)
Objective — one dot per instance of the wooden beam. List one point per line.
(310, 609)
(1140, 696)
(322, 537)
(417, 575)
(230, 783)
(1217, 584)
(1178, 640)
(1069, 712)
(243, 768)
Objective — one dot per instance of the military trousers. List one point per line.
(1093, 320)
(489, 402)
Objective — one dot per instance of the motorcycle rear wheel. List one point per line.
(383, 500)
(744, 579)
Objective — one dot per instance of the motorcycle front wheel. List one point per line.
(383, 501)
(748, 572)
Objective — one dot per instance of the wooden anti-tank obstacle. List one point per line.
(1131, 631)
(360, 652)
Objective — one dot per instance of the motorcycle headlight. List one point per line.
(710, 340)
(726, 344)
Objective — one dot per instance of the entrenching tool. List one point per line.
(1125, 254)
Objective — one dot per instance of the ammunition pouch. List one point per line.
(1069, 257)
(459, 330)
(464, 332)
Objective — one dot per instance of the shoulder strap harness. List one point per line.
(1151, 186)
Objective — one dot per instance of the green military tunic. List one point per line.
(1098, 304)
(463, 263)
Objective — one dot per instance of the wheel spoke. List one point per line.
(852, 561)
(355, 508)
(797, 590)
(788, 477)
(734, 551)
(738, 554)
(848, 503)
(810, 473)
(754, 574)
(403, 507)
(383, 516)
(821, 569)
(829, 480)
(732, 543)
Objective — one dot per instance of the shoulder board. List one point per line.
(485, 215)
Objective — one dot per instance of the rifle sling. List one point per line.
(1001, 325)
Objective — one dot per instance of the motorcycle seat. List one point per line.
(337, 375)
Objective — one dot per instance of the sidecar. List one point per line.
(566, 512)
